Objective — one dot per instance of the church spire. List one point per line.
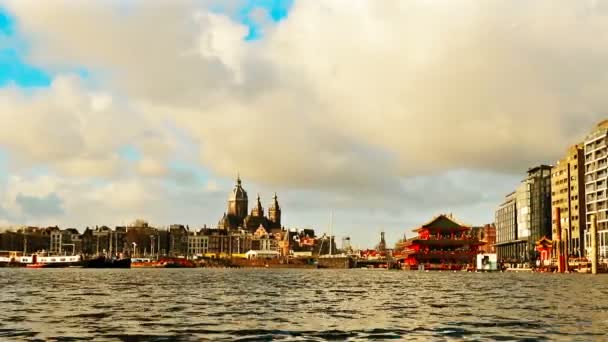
(237, 200)
(274, 212)
(258, 210)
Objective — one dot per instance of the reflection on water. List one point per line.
(311, 305)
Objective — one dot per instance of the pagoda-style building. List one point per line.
(441, 244)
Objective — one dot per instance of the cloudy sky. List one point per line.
(386, 112)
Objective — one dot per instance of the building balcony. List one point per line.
(435, 254)
(434, 242)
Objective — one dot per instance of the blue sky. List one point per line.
(6, 22)
(277, 10)
(15, 69)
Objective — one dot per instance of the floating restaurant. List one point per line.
(440, 244)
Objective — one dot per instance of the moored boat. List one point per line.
(104, 262)
(176, 263)
(145, 263)
(38, 261)
(4, 261)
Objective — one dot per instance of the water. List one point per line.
(302, 305)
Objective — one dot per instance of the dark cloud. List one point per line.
(40, 207)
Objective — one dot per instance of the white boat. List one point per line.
(37, 261)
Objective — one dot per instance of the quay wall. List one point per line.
(335, 262)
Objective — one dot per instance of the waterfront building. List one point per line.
(119, 240)
(55, 243)
(596, 163)
(292, 241)
(263, 241)
(237, 233)
(140, 239)
(487, 235)
(509, 248)
(531, 203)
(66, 241)
(198, 245)
(222, 243)
(568, 199)
(534, 200)
(236, 216)
(440, 244)
(178, 240)
(25, 239)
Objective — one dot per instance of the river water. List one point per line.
(299, 305)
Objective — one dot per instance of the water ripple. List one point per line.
(298, 305)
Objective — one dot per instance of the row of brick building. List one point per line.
(237, 233)
(139, 239)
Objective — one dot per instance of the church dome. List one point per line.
(223, 223)
(238, 193)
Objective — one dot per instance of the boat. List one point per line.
(162, 263)
(176, 263)
(518, 269)
(38, 261)
(144, 263)
(105, 262)
(5, 262)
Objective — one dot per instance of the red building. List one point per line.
(441, 244)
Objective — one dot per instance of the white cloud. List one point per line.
(431, 84)
(345, 97)
(74, 130)
(151, 167)
(53, 199)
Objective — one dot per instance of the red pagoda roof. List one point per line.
(544, 243)
(443, 223)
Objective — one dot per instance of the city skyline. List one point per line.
(149, 110)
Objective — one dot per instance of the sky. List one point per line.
(385, 113)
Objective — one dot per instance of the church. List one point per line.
(237, 217)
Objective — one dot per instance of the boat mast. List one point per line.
(331, 222)
(24, 242)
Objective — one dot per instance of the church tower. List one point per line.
(274, 213)
(257, 211)
(237, 202)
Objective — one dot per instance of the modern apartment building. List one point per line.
(508, 247)
(538, 188)
(525, 217)
(568, 198)
(596, 162)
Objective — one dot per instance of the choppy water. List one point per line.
(311, 305)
